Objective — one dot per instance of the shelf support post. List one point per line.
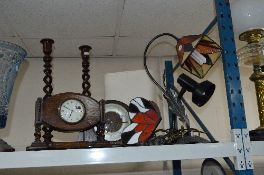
(233, 84)
(176, 164)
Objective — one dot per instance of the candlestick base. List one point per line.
(4, 147)
(257, 134)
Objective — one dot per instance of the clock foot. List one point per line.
(37, 146)
(4, 147)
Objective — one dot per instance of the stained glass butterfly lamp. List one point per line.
(197, 54)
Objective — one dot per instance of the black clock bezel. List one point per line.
(118, 103)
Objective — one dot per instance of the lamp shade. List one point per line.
(201, 92)
(247, 15)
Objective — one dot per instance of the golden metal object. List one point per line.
(255, 57)
(258, 78)
(252, 36)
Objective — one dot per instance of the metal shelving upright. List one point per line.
(243, 161)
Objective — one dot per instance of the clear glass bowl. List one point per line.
(11, 56)
(251, 54)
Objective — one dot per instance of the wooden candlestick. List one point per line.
(47, 49)
(85, 53)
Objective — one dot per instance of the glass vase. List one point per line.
(11, 56)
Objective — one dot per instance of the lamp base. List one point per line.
(252, 36)
(257, 134)
(4, 147)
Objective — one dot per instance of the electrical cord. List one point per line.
(164, 73)
(145, 59)
(176, 136)
(173, 102)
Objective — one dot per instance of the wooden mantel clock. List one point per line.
(66, 112)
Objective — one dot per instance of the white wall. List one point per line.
(67, 77)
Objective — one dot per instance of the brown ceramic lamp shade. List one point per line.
(197, 54)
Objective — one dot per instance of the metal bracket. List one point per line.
(243, 160)
(247, 149)
(239, 158)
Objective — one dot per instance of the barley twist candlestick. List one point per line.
(85, 53)
(86, 85)
(47, 50)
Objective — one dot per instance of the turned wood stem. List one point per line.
(85, 53)
(47, 50)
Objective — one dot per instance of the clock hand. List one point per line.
(119, 122)
(71, 113)
(67, 108)
(114, 122)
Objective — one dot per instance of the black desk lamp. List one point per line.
(201, 92)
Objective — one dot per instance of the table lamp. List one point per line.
(248, 23)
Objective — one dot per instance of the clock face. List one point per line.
(116, 120)
(72, 111)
